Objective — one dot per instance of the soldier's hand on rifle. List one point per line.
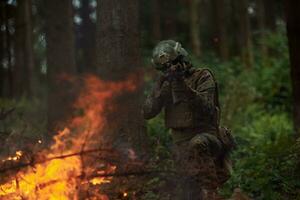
(175, 76)
(159, 86)
(174, 73)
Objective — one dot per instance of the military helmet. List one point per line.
(166, 53)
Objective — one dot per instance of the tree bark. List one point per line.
(271, 15)
(60, 59)
(293, 31)
(261, 23)
(195, 27)
(8, 13)
(233, 24)
(221, 33)
(245, 40)
(169, 19)
(2, 49)
(24, 66)
(156, 20)
(87, 38)
(118, 53)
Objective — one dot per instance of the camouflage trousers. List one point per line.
(198, 173)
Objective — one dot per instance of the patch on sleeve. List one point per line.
(204, 81)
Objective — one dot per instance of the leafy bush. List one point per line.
(256, 105)
(24, 126)
(265, 162)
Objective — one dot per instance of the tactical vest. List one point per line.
(190, 113)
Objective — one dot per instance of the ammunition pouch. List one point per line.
(226, 137)
(206, 143)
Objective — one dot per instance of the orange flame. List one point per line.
(58, 178)
(16, 157)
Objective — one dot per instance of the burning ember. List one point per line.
(15, 157)
(64, 171)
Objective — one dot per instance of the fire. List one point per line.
(62, 170)
(16, 157)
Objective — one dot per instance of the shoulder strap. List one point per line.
(216, 99)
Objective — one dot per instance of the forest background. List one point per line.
(252, 46)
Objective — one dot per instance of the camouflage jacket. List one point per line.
(188, 103)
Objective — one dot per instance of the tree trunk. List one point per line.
(270, 11)
(24, 66)
(262, 29)
(195, 27)
(2, 49)
(169, 19)
(156, 20)
(293, 32)
(221, 24)
(233, 24)
(245, 40)
(8, 48)
(118, 53)
(87, 38)
(60, 59)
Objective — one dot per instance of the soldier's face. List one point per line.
(176, 67)
(171, 65)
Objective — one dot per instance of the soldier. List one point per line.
(189, 98)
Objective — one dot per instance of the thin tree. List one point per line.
(156, 20)
(24, 66)
(169, 18)
(87, 37)
(220, 28)
(7, 14)
(261, 24)
(60, 58)
(194, 16)
(245, 40)
(2, 48)
(293, 32)
(270, 14)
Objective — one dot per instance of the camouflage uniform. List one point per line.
(192, 113)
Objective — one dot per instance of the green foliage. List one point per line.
(157, 131)
(256, 105)
(156, 188)
(265, 162)
(23, 127)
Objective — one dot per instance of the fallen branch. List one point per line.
(5, 113)
(33, 162)
(132, 173)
